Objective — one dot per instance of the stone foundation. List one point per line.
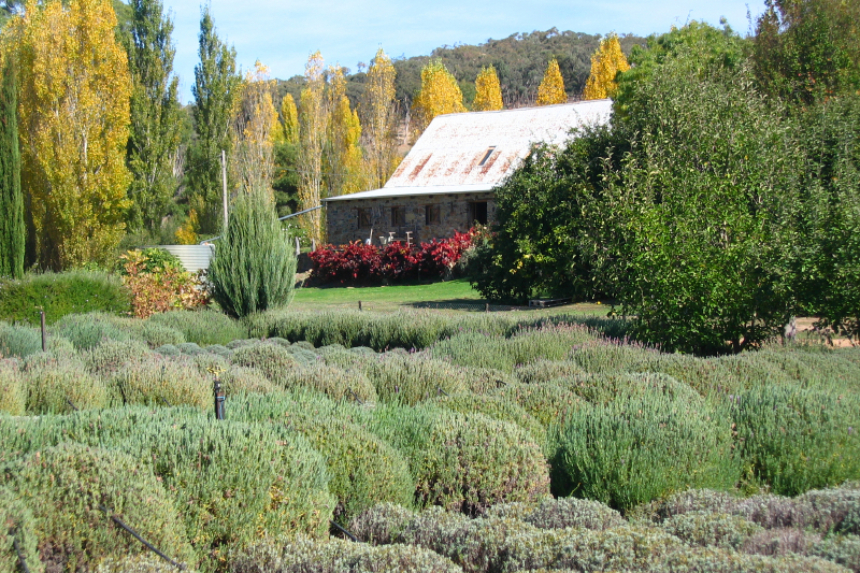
(348, 221)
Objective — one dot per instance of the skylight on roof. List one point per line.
(487, 156)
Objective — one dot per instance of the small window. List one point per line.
(478, 213)
(432, 214)
(364, 218)
(487, 156)
(398, 217)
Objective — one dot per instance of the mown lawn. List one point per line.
(455, 295)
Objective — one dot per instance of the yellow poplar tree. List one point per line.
(488, 92)
(254, 128)
(289, 128)
(379, 118)
(606, 62)
(551, 89)
(75, 88)
(313, 121)
(344, 152)
(440, 94)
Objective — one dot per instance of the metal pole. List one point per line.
(44, 332)
(359, 305)
(224, 181)
(219, 400)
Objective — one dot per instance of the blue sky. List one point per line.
(282, 33)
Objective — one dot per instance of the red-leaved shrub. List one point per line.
(357, 263)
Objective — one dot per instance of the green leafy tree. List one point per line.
(12, 231)
(216, 87)
(702, 212)
(155, 114)
(254, 266)
(807, 50)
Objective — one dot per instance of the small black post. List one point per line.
(219, 399)
(21, 560)
(359, 305)
(44, 332)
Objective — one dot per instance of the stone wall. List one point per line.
(454, 211)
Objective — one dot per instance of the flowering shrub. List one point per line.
(396, 261)
(161, 287)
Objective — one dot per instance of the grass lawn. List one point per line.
(456, 295)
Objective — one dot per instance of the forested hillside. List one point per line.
(520, 60)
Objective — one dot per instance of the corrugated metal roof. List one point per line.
(453, 154)
(387, 192)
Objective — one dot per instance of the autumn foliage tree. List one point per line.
(313, 124)
(488, 92)
(606, 63)
(74, 125)
(551, 89)
(344, 156)
(289, 121)
(255, 130)
(440, 94)
(378, 112)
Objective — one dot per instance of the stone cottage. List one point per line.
(445, 183)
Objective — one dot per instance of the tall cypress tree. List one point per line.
(12, 231)
(216, 84)
(155, 114)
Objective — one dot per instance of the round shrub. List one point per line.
(157, 380)
(464, 463)
(137, 564)
(715, 560)
(547, 370)
(273, 360)
(606, 387)
(168, 350)
(189, 349)
(202, 327)
(364, 470)
(639, 448)
(841, 549)
(572, 512)
(86, 331)
(17, 524)
(711, 529)
(112, 355)
(13, 394)
(220, 350)
(65, 486)
(19, 341)
(253, 267)
(707, 376)
(209, 364)
(619, 549)
(413, 378)
(609, 356)
(497, 408)
(303, 555)
(238, 379)
(796, 439)
(156, 334)
(335, 383)
(231, 481)
(303, 356)
(779, 542)
(832, 509)
(484, 380)
(380, 524)
(57, 385)
(546, 402)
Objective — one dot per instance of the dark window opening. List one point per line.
(432, 215)
(398, 217)
(363, 218)
(487, 156)
(478, 213)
